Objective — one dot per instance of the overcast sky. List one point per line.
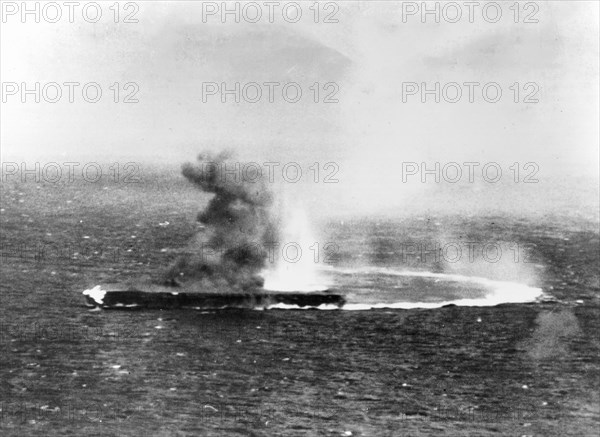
(369, 53)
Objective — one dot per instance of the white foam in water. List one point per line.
(500, 291)
(96, 293)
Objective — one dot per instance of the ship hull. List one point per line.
(127, 299)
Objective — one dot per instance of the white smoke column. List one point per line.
(297, 244)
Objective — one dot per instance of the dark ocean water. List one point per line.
(528, 366)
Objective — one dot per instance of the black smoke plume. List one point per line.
(238, 229)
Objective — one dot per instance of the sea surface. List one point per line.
(499, 338)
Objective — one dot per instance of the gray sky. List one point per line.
(368, 54)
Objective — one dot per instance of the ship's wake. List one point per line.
(381, 287)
